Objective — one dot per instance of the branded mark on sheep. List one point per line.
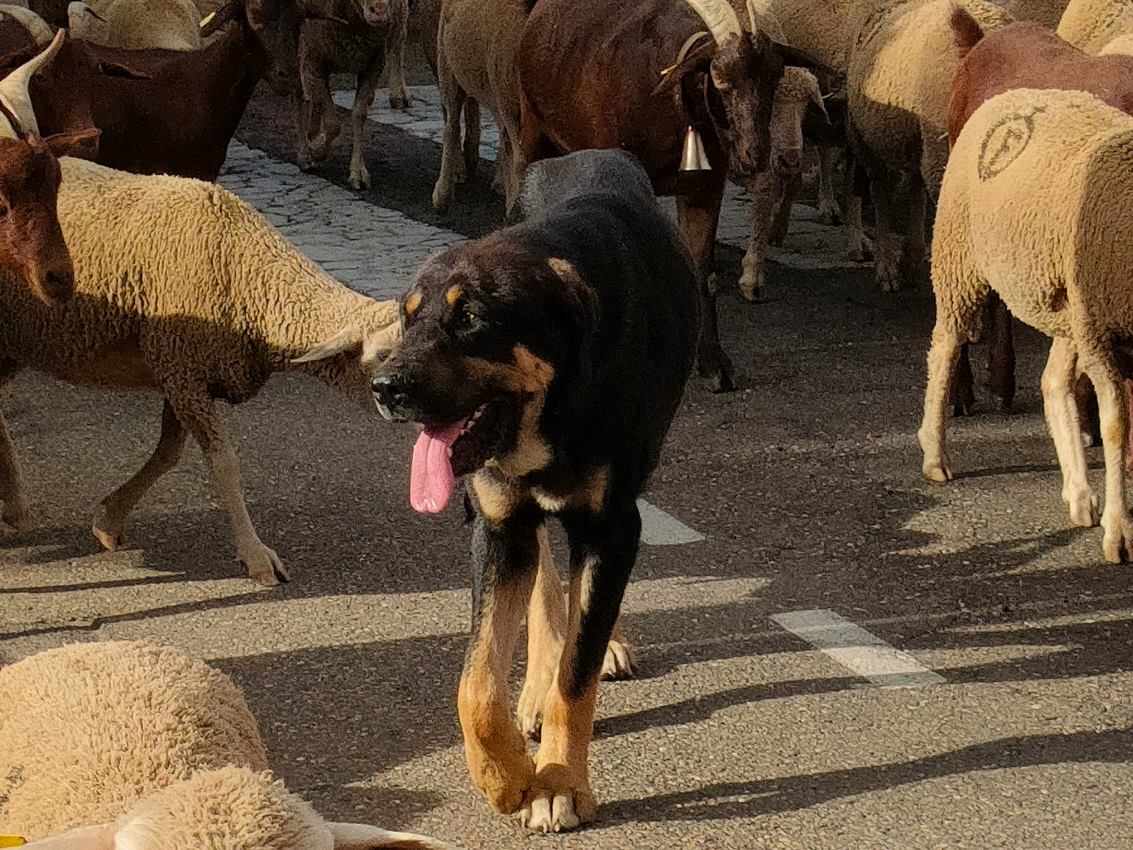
(1004, 142)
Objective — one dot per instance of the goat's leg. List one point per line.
(763, 191)
(110, 516)
(1062, 419)
(196, 411)
(829, 213)
(363, 100)
(1117, 540)
(697, 218)
(452, 99)
(395, 56)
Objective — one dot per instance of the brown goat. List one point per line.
(625, 92)
(1022, 55)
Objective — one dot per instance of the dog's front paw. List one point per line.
(557, 801)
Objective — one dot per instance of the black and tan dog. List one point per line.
(546, 361)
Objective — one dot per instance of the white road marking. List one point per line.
(660, 529)
(856, 649)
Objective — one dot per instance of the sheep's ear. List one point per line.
(358, 836)
(80, 143)
(85, 838)
(347, 339)
(377, 346)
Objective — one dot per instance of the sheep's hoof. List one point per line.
(619, 662)
(1117, 544)
(750, 293)
(442, 199)
(360, 178)
(1083, 508)
(264, 566)
(399, 100)
(306, 162)
(718, 377)
(829, 217)
(17, 516)
(937, 472)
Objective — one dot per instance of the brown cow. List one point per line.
(630, 88)
(1023, 55)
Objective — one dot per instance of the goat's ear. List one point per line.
(358, 836)
(79, 143)
(672, 75)
(117, 69)
(347, 339)
(582, 299)
(85, 838)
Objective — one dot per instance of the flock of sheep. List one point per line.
(182, 289)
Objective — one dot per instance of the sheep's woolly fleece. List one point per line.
(902, 63)
(816, 27)
(87, 730)
(180, 282)
(137, 24)
(1091, 24)
(1036, 202)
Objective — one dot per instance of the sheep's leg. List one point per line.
(763, 191)
(942, 358)
(1117, 540)
(916, 246)
(503, 165)
(198, 413)
(363, 100)
(859, 248)
(963, 384)
(395, 56)
(829, 213)
(110, 516)
(1062, 419)
(546, 631)
(320, 125)
(16, 513)
(505, 554)
(515, 164)
(452, 99)
(887, 199)
(471, 145)
(1001, 355)
(787, 189)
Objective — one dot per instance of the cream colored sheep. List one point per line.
(901, 66)
(477, 41)
(183, 289)
(773, 190)
(1032, 207)
(1091, 24)
(137, 24)
(129, 745)
(1046, 12)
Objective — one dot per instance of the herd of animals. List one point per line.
(519, 354)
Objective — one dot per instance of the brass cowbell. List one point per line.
(693, 157)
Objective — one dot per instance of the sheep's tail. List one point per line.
(966, 30)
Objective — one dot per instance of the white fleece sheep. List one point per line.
(137, 24)
(773, 190)
(1122, 45)
(901, 66)
(1035, 206)
(184, 289)
(130, 745)
(1091, 24)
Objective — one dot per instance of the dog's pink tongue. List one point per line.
(431, 480)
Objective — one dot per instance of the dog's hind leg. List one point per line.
(619, 662)
(603, 551)
(505, 554)
(546, 630)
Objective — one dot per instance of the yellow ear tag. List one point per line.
(12, 841)
(204, 23)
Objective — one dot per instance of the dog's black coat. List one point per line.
(620, 338)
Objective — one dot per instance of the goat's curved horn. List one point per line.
(719, 17)
(14, 89)
(30, 21)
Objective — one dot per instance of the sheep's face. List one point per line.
(376, 13)
(31, 241)
(745, 70)
(797, 90)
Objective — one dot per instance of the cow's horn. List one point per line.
(719, 17)
(14, 89)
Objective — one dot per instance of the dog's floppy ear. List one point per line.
(581, 298)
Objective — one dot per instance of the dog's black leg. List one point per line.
(603, 551)
(505, 553)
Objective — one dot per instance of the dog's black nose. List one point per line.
(390, 387)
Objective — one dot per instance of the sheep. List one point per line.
(1091, 24)
(901, 63)
(773, 190)
(360, 36)
(1121, 45)
(1030, 209)
(477, 46)
(184, 289)
(136, 24)
(128, 744)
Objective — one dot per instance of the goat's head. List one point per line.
(276, 24)
(376, 13)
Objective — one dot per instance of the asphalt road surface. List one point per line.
(834, 652)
